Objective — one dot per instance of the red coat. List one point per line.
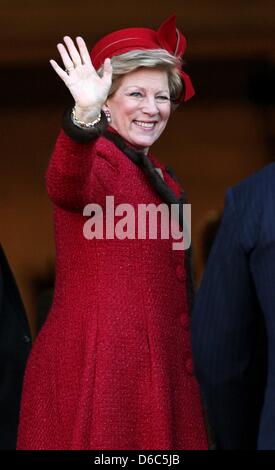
(112, 367)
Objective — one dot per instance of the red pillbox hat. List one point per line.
(167, 37)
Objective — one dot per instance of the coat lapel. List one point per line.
(165, 193)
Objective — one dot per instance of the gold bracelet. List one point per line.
(82, 124)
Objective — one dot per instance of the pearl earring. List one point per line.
(108, 115)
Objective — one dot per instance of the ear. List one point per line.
(105, 107)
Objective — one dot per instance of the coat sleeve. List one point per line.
(224, 329)
(70, 165)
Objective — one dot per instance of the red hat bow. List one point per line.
(171, 39)
(167, 37)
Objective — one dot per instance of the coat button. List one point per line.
(180, 272)
(26, 339)
(185, 321)
(189, 367)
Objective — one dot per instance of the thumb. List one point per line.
(107, 70)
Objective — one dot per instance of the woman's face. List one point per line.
(141, 106)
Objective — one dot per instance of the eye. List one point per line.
(135, 93)
(163, 98)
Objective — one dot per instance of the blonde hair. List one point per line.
(151, 58)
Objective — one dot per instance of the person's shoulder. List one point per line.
(249, 200)
(258, 184)
(105, 144)
(107, 149)
(260, 177)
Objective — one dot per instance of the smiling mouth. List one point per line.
(145, 125)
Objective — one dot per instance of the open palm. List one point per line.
(88, 89)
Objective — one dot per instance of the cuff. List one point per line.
(83, 135)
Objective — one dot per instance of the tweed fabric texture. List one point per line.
(112, 366)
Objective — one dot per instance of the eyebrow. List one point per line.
(141, 88)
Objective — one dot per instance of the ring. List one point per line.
(68, 70)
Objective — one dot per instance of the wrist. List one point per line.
(86, 115)
(81, 134)
(85, 121)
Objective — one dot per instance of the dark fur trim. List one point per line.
(83, 136)
(166, 194)
(173, 175)
(134, 155)
(140, 159)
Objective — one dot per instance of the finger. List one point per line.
(62, 74)
(67, 61)
(108, 65)
(84, 53)
(72, 50)
(107, 71)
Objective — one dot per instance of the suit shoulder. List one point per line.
(254, 198)
(258, 185)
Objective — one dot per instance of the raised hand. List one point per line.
(88, 89)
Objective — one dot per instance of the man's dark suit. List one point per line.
(233, 325)
(15, 344)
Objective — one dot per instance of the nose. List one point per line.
(150, 106)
